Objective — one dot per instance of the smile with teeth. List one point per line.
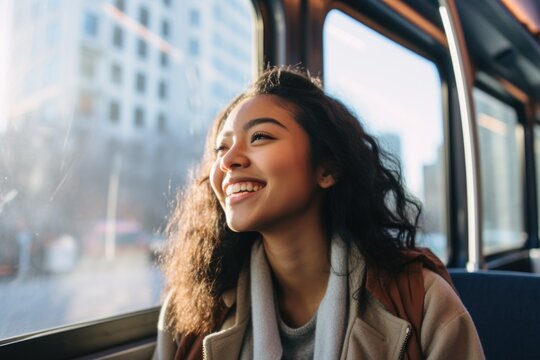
(243, 187)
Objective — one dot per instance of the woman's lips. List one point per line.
(235, 195)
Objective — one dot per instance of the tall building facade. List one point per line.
(113, 98)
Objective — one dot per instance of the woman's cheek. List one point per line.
(216, 178)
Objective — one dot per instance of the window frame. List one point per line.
(519, 255)
(86, 338)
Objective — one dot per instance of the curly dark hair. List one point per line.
(368, 206)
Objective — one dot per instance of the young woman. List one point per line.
(296, 240)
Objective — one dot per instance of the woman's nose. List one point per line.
(234, 159)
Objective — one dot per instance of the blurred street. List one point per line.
(95, 288)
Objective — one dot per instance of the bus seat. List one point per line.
(505, 307)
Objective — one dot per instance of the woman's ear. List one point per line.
(326, 175)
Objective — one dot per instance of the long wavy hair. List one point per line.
(368, 206)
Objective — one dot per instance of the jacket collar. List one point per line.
(375, 333)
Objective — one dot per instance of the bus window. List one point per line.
(398, 95)
(104, 108)
(501, 151)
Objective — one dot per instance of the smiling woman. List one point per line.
(261, 144)
(297, 240)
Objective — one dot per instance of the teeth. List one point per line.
(244, 186)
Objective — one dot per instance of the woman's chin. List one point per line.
(239, 226)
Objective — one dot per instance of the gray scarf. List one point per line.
(331, 315)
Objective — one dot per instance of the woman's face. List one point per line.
(262, 174)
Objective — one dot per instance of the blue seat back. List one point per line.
(505, 307)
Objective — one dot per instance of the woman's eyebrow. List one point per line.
(254, 122)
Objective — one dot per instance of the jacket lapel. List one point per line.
(227, 343)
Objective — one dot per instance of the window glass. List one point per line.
(90, 24)
(501, 144)
(143, 16)
(116, 73)
(165, 29)
(120, 5)
(92, 151)
(397, 95)
(118, 37)
(142, 48)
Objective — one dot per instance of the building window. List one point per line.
(114, 111)
(86, 103)
(144, 16)
(139, 117)
(88, 67)
(116, 74)
(118, 37)
(90, 24)
(194, 17)
(165, 30)
(161, 123)
(162, 90)
(142, 48)
(193, 47)
(120, 5)
(140, 82)
(163, 59)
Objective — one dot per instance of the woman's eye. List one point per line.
(260, 136)
(219, 149)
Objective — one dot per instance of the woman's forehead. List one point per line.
(259, 106)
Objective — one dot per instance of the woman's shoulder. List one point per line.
(447, 325)
(440, 293)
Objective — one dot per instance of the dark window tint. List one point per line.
(144, 16)
(163, 59)
(162, 90)
(142, 48)
(165, 28)
(140, 82)
(161, 123)
(139, 117)
(120, 5)
(118, 37)
(114, 111)
(116, 74)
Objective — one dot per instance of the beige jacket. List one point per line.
(447, 328)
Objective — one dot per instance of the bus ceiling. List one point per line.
(503, 37)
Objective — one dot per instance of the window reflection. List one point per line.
(501, 141)
(93, 149)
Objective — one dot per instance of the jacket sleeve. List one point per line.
(448, 331)
(165, 344)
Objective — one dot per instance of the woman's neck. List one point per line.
(299, 260)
